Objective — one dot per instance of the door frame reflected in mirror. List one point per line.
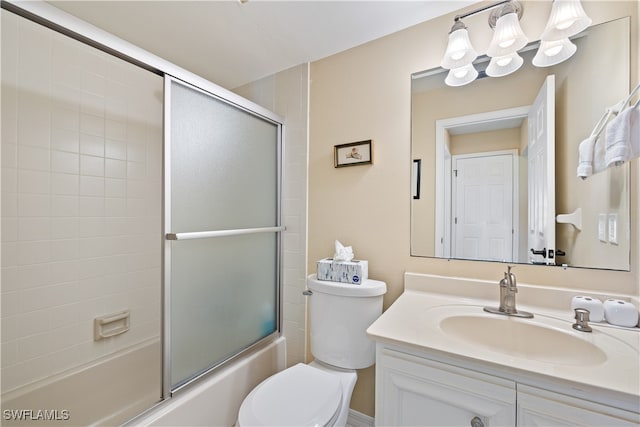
(493, 120)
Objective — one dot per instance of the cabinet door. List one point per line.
(414, 391)
(538, 407)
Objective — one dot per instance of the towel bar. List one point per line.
(222, 233)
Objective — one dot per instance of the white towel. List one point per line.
(585, 157)
(618, 141)
(634, 131)
(599, 150)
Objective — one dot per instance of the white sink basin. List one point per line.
(543, 339)
(442, 317)
(523, 338)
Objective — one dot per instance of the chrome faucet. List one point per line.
(508, 290)
(582, 320)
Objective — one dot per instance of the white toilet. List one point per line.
(318, 394)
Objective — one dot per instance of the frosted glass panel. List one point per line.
(223, 165)
(223, 299)
(224, 173)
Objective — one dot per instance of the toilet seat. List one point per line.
(298, 396)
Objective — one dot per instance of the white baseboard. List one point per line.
(358, 419)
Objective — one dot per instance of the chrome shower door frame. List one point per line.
(169, 236)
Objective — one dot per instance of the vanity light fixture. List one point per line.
(459, 52)
(461, 76)
(503, 65)
(553, 52)
(567, 19)
(508, 37)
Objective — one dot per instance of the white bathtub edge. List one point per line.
(215, 401)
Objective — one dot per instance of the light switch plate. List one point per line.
(613, 228)
(602, 227)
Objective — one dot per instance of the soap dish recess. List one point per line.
(110, 325)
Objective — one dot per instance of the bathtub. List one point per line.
(216, 399)
(92, 394)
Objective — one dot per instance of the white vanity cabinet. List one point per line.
(537, 407)
(413, 390)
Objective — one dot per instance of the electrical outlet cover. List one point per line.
(602, 227)
(613, 228)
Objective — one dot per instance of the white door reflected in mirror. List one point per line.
(483, 219)
(542, 182)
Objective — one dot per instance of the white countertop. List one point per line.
(413, 321)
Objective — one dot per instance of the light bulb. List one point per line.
(504, 61)
(504, 65)
(456, 56)
(460, 73)
(553, 52)
(461, 76)
(505, 44)
(564, 25)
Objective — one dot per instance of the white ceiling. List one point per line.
(232, 43)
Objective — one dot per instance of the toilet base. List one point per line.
(348, 378)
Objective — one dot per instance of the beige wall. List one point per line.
(481, 142)
(364, 93)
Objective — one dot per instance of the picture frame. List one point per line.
(352, 154)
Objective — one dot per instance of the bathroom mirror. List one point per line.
(487, 119)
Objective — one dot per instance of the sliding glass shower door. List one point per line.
(222, 219)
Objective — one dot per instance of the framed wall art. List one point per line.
(352, 154)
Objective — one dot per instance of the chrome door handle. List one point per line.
(542, 252)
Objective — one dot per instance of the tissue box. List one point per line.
(354, 271)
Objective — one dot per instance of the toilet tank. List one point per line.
(339, 315)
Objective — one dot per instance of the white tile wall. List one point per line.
(80, 205)
(286, 93)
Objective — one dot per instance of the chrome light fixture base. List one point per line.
(514, 6)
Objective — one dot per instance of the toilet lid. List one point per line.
(298, 396)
